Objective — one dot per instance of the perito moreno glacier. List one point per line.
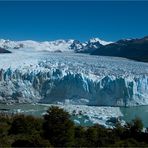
(74, 78)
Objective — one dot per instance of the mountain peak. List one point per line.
(102, 42)
(55, 45)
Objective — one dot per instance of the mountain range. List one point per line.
(136, 49)
(54, 46)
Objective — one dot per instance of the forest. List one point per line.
(56, 129)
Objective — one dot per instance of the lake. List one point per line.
(89, 114)
(130, 113)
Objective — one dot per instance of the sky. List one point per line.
(81, 20)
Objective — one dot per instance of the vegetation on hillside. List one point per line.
(56, 129)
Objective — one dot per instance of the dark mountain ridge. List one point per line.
(136, 49)
(2, 50)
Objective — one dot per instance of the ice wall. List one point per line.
(61, 86)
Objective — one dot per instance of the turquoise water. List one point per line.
(132, 112)
(38, 111)
(28, 109)
(129, 113)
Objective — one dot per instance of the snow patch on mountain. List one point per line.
(102, 42)
(58, 45)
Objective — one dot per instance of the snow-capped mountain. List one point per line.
(102, 42)
(89, 46)
(77, 46)
(57, 45)
(92, 45)
(54, 46)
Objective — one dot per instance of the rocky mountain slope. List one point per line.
(136, 49)
(2, 50)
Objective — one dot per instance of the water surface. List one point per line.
(129, 113)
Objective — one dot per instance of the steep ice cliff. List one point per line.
(72, 78)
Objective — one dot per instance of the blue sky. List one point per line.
(78, 20)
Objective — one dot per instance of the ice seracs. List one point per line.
(72, 78)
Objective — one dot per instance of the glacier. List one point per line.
(59, 78)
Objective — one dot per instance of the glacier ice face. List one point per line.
(73, 79)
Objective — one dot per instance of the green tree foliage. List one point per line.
(22, 124)
(80, 136)
(57, 130)
(31, 141)
(58, 127)
(92, 137)
(133, 128)
(136, 125)
(128, 143)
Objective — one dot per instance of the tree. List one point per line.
(137, 125)
(22, 124)
(80, 138)
(31, 141)
(133, 129)
(58, 127)
(92, 137)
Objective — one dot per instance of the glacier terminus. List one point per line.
(33, 76)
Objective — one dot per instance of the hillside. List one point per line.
(136, 49)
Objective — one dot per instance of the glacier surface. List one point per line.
(29, 76)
